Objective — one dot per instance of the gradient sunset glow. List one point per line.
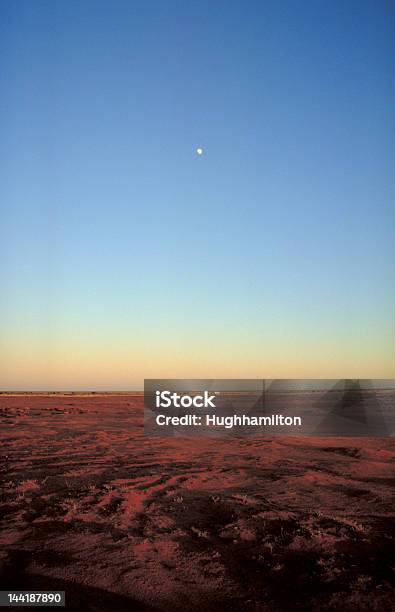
(124, 255)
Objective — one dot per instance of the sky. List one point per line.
(124, 255)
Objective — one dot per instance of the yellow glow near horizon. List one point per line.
(107, 365)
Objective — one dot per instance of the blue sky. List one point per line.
(125, 251)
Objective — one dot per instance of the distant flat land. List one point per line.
(124, 522)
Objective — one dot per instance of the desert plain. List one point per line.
(122, 521)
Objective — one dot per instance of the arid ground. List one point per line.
(125, 522)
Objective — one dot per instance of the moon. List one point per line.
(199, 151)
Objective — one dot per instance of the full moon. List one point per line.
(199, 151)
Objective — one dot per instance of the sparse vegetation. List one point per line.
(93, 503)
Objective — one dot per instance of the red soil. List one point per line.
(121, 521)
